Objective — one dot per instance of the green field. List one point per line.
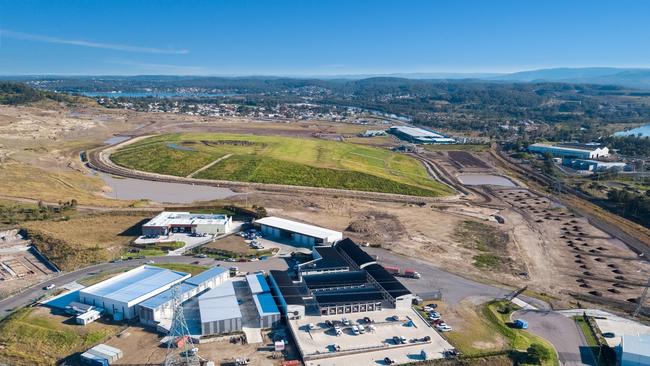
(281, 160)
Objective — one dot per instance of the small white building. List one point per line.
(119, 295)
(303, 235)
(168, 222)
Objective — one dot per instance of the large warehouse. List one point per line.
(419, 135)
(167, 222)
(219, 310)
(634, 350)
(302, 235)
(364, 286)
(579, 151)
(119, 295)
(159, 309)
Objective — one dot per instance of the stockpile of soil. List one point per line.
(377, 227)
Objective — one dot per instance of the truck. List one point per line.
(392, 270)
(411, 273)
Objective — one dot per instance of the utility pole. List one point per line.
(644, 295)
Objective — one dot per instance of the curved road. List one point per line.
(562, 332)
(35, 292)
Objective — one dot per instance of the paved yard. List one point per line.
(373, 345)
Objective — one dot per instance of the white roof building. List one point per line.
(219, 310)
(635, 350)
(166, 222)
(301, 234)
(119, 295)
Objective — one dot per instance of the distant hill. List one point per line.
(634, 78)
(18, 93)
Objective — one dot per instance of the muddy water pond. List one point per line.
(485, 179)
(136, 189)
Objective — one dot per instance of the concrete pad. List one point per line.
(371, 347)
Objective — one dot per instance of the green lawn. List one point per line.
(31, 336)
(282, 160)
(192, 269)
(498, 313)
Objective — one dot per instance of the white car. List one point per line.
(428, 309)
(311, 326)
(345, 321)
(355, 330)
(443, 327)
(150, 262)
(49, 287)
(434, 315)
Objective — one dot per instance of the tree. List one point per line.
(538, 353)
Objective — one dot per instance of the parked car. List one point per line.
(443, 327)
(432, 305)
(362, 329)
(345, 321)
(311, 326)
(329, 323)
(434, 315)
(367, 320)
(388, 361)
(355, 330)
(520, 324)
(428, 309)
(437, 321)
(49, 287)
(150, 261)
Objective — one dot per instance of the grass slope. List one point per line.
(282, 160)
(31, 336)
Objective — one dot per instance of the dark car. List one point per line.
(367, 320)
(388, 361)
(329, 323)
(432, 305)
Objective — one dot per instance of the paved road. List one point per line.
(562, 332)
(35, 292)
(454, 288)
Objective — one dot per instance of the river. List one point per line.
(644, 131)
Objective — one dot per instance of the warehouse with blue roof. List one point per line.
(119, 295)
(268, 313)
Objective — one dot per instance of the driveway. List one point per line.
(562, 332)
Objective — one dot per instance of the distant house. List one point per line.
(373, 133)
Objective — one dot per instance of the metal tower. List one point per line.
(179, 353)
(644, 295)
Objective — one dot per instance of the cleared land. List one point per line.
(281, 160)
(85, 240)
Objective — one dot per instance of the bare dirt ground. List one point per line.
(20, 266)
(143, 347)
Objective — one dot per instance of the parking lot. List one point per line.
(321, 346)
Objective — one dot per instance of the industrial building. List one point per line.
(594, 165)
(578, 151)
(101, 355)
(302, 235)
(268, 313)
(358, 284)
(419, 135)
(634, 350)
(119, 295)
(167, 222)
(155, 310)
(219, 310)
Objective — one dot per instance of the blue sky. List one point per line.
(319, 37)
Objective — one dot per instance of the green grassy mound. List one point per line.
(281, 160)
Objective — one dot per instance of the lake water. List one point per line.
(485, 179)
(117, 94)
(116, 140)
(643, 130)
(136, 189)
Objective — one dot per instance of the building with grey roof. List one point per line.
(219, 310)
(119, 295)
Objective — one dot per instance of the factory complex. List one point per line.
(578, 151)
(418, 135)
(167, 222)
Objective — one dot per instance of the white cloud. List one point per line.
(81, 43)
(154, 68)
